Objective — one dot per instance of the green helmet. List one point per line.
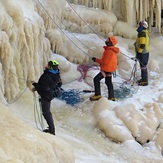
(53, 64)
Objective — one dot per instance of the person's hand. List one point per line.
(94, 59)
(134, 59)
(33, 89)
(34, 83)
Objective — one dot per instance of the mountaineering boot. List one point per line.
(112, 99)
(143, 83)
(52, 131)
(49, 131)
(138, 81)
(95, 97)
(46, 130)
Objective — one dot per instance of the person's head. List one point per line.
(111, 41)
(142, 25)
(53, 64)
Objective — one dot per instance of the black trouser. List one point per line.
(108, 82)
(143, 60)
(47, 114)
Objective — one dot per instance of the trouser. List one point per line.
(47, 114)
(143, 60)
(108, 82)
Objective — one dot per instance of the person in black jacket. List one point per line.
(48, 87)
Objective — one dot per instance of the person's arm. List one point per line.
(140, 42)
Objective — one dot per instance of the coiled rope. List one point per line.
(83, 69)
(71, 96)
(122, 92)
(38, 114)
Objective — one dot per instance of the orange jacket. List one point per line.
(108, 63)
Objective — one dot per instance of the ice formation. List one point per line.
(29, 145)
(31, 30)
(29, 36)
(130, 11)
(127, 122)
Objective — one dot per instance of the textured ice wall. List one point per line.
(130, 11)
(24, 49)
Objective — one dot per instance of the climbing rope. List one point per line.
(66, 35)
(71, 96)
(84, 20)
(83, 69)
(38, 116)
(122, 92)
(20, 78)
(127, 88)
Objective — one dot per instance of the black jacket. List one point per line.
(49, 81)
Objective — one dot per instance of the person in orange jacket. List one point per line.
(108, 64)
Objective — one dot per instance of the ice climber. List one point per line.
(142, 51)
(108, 64)
(48, 87)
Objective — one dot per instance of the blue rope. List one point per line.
(71, 96)
(122, 92)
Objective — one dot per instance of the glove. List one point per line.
(34, 84)
(33, 89)
(94, 59)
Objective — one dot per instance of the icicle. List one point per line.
(153, 3)
(140, 10)
(130, 18)
(107, 5)
(55, 38)
(137, 9)
(100, 4)
(151, 18)
(145, 10)
(86, 3)
(158, 14)
(95, 3)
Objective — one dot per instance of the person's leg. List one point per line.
(144, 71)
(96, 81)
(108, 82)
(48, 115)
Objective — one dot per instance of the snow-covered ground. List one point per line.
(129, 130)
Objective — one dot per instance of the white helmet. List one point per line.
(144, 24)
